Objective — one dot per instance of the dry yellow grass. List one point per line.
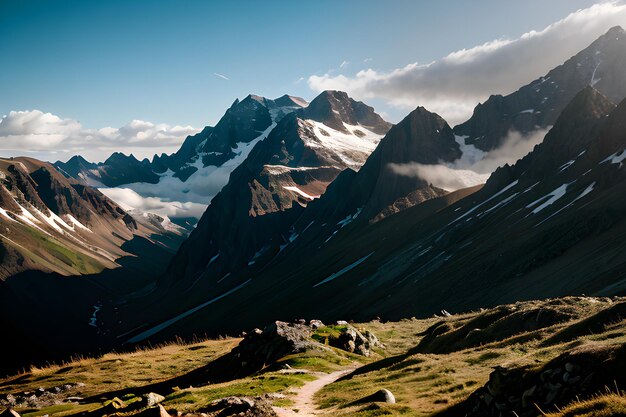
(115, 371)
(423, 383)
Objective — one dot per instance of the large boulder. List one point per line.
(279, 339)
(352, 340)
(240, 406)
(153, 399)
(380, 396)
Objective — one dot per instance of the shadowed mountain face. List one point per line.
(540, 228)
(420, 138)
(117, 170)
(538, 104)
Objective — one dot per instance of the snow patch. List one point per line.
(300, 192)
(551, 199)
(616, 158)
(343, 270)
(353, 149)
(496, 195)
(154, 330)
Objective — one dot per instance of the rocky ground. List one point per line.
(522, 359)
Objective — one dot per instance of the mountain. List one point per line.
(549, 225)
(54, 224)
(283, 173)
(538, 104)
(200, 168)
(378, 188)
(237, 236)
(117, 170)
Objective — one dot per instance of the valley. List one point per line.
(303, 258)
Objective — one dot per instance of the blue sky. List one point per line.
(93, 77)
(104, 63)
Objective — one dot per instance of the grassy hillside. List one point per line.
(441, 366)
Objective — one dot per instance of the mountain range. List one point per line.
(325, 210)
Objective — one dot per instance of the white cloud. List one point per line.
(344, 64)
(475, 166)
(453, 85)
(366, 60)
(223, 77)
(131, 200)
(49, 137)
(440, 175)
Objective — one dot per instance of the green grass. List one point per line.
(196, 398)
(327, 360)
(327, 333)
(62, 255)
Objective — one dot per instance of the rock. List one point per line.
(73, 399)
(9, 412)
(158, 411)
(374, 342)
(163, 412)
(350, 346)
(571, 368)
(380, 396)
(352, 340)
(153, 399)
(279, 339)
(241, 406)
(316, 324)
(342, 323)
(528, 395)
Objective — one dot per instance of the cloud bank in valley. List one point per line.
(50, 137)
(131, 200)
(475, 166)
(453, 85)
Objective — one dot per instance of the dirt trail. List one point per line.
(303, 400)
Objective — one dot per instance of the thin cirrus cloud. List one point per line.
(453, 85)
(222, 76)
(50, 137)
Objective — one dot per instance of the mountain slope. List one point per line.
(54, 224)
(552, 224)
(538, 104)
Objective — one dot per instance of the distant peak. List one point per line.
(422, 114)
(615, 30)
(588, 97)
(77, 158)
(120, 157)
(256, 98)
(336, 108)
(331, 97)
(287, 100)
